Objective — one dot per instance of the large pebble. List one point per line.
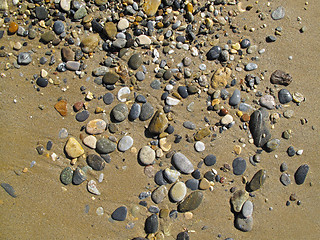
(235, 98)
(123, 24)
(120, 112)
(65, 5)
(227, 119)
(278, 13)
(100, 71)
(284, 96)
(120, 214)
(178, 191)
(96, 126)
(238, 199)
(95, 162)
(202, 133)
(134, 111)
(239, 165)
(105, 146)
(301, 174)
(110, 29)
(268, 102)
(182, 163)
(9, 189)
(214, 53)
(125, 143)
(172, 101)
(82, 116)
(147, 111)
(244, 224)
(150, 7)
(110, 77)
(90, 43)
(221, 77)
(147, 155)
(210, 160)
(58, 27)
(108, 98)
(66, 176)
(189, 125)
(191, 202)
(159, 194)
(272, 145)
(24, 58)
(247, 209)
(193, 184)
(135, 61)
(199, 146)
(258, 180)
(171, 175)
(280, 77)
(260, 132)
(158, 122)
(73, 148)
(151, 224)
(251, 66)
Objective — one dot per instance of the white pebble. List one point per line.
(123, 93)
(101, 178)
(199, 146)
(299, 152)
(100, 211)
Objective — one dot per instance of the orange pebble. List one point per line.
(245, 117)
(13, 27)
(223, 112)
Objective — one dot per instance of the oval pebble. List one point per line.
(199, 146)
(120, 214)
(120, 112)
(134, 112)
(125, 143)
(235, 98)
(210, 160)
(123, 93)
(182, 163)
(147, 155)
(301, 174)
(82, 116)
(147, 111)
(239, 166)
(108, 98)
(285, 179)
(247, 209)
(178, 191)
(66, 176)
(151, 224)
(284, 96)
(96, 126)
(95, 162)
(192, 184)
(171, 175)
(105, 146)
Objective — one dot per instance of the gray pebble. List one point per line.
(301, 174)
(108, 98)
(182, 163)
(189, 125)
(120, 214)
(125, 143)
(156, 84)
(247, 209)
(235, 98)
(140, 76)
(251, 67)
(134, 111)
(105, 146)
(120, 112)
(285, 179)
(278, 13)
(9, 189)
(192, 184)
(239, 166)
(284, 96)
(244, 224)
(147, 111)
(24, 58)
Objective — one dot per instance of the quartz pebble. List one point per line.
(96, 126)
(92, 187)
(125, 143)
(147, 155)
(73, 148)
(199, 146)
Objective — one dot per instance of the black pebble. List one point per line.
(120, 214)
(170, 129)
(271, 38)
(159, 179)
(214, 53)
(96, 162)
(210, 176)
(49, 145)
(183, 236)
(183, 91)
(151, 224)
(291, 152)
(108, 98)
(42, 82)
(210, 160)
(82, 116)
(245, 43)
(301, 174)
(196, 174)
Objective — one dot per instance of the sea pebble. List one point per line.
(159, 194)
(73, 148)
(278, 13)
(95, 162)
(260, 132)
(284, 96)
(182, 163)
(158, 123)
(178, 191)
(192, 184)
(120, 112)
(147, 111)
(66, 175)
(172, 101)
(189, 125)
(92, 187)
(258, 180)
(171, 175)
(9, 189)
(239, 166)
(159, 178)
(280, 77)
(105, 146)
(90, 141)
(199, 146)
(235, 98)
(151, 224)
(301, 174)
(96, 126)
(135, 61)
(191, 202)
(125, 143)
(247, 209)
(134, 112)
(123, 93)
(238, 199)
(268, 102)
(79, 176)
(24, 58)
(227, 119)
(251, 67)
(244, 224)
(120, 214)
(82, 116)
(285, 179)
(210, 160)
(108, 98)
(147, 155)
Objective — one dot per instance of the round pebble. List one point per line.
(284, 96)
(210, 160)
(147, 155)
(199, 146)
(82, 116)
(125, 143)
(120, 112)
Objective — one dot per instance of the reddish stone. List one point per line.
(77, 106)
(61, 107)
(223, 112)
(245, 117)
(13, 27)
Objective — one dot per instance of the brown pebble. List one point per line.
(77, 106)
(13, 27)
(245, 117)
(223, 112)
(293, 197)
(61, 107)
(237, 149)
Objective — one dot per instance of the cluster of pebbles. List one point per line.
(137, 36)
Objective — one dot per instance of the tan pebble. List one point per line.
(163, 135)
(204, 184)
(43, 73)
(99, 110)
(25, 170)
(245, 117)
(73, 148)
(74, 161)
(159, 153)
(133, 150)
(164, 213)
(64, 189)
(215, 101)
(237, 149)
(251, 140)
(164, 145)
(188, 215)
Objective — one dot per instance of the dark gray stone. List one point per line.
(155, 84)
(105, 146)
(42, 82)
(235, 98)
(95, 162)
(284, 96)
(108, 98)
(79, 176)
(134, 111)
(151, 224)
(291, 152)
(120, 214)
(301, 174)
(239, 165)
(58, 27)
(260, 132)
(192, 184)
(9, 189)
(24, 58)
(210, 160)
(66, 176)
(135, 61)
(41, 13)
(214, 53)
(285, 179)
(147, 111)
(141, 99)
(82, 116)
(159, 179)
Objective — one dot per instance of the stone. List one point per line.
(178, 191)
(202, 133)
(221, 77)
(159, 194)
(210, 160)
(193, 184)
(13, 27)
(281, 78)
(66, 176)
(284, 96)
(123, 94)
(147, 155)
(77, 106)
(172, 101)
(150, 7)
(278, 13)
(291, 152)
(247, 209)
(110, 78)
(96, 126)
(260, 132)
(108, 98)
(82, 116)
(95, 162)
(183, 91)
(135, 61)
(41, 13)
(120, 214)
(151, 224)
(156, 84)
(235, 98)
(58, 27)
(183, 236)
(159, 178)
(67, 54)
(90, 141)
(199, 146)
(134, 112)
(9, 189)
(245, 43)
(80, 13)
(158, 123)
(191, 202)
(73, 65)
(301, 174)
(140, 76)
(65, 5)
(189, 125)
(48, 36)
(100, 71)
(182, 163)
(120, 112)
(258, 180)
(244, 224)
(88, 44)
(238, 199)
(61, 107)
(239, 165)
(204, 184)
(105, 146)
(73, 148)
(251, 66)
(110, 29)
(24, 58)
(123, 24)
(171, 175)
(125, 143)
(268, 102)
(42, 82)
(272, 145)
(227, 119)
(167, 75)
(147, 111)
(285, 179)
(79, 176)
(214, 53)
(92, 187)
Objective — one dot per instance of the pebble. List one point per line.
(96, 126)
(183, 236)
(159, 194)
(182, 163)
(63, 133)
(191, 202)
(260, 132)
(120, 112)
(135, 61)
(247, 209)
(251, 67)
(110, 77)
(151, 224)
(90, 141)
(281, 78)
(24, 58)
(278, 13)
(42, 82)
(147, 111)
(125, 143)
(183, 91)
(210, 160)
(244, 224)
(79, 176)
(123, 93)
(123, 24)
(82, 116)
(283, 167)
(80, 13)
(158, 123)
(73, 65)
(48, 36)
(108, 98)
(245, 43)
(193, 184)
(235, 98)
(268, 102)
(284, 96)
(178, 191)
(110, 29)
(291, 152)
(120, 214)
(140, 76)
(258, 180)
(189, 125)
(143, 40)
(199, 146)
(238, 199)
(214, 53)
(227, 119)
(239, 165)
(9, 189)
(155, 84)
(58, 27)
(301, 174)
(73, 148)
(159, 178)
(92, 187)
(285, 179)
(147, 155)
(134, 112)
(90, 43)
(95, 162)
(105, 146)
(66, 176)
(171, 175)
(272, 145)
(65, 5)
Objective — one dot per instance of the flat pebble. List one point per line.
(147, 155)
(24, 58)
(73, 148)
(82, 116)
(171, 175)
(258, 180)
(108, 98)
(189, 125)
(125, 143)
(192, 184)
(95, 162)
(178, 191)
(159, 194)
(284, 96)
(268, 102)
(155, 84)
(251, 67)
(239, 166)
(191, 202)
(9, 189)
(92, 187)
(120, 214)
(105, 146)
(135, 61)
(235, 98)
(301, 174)
(210, 160)
(244, 224)
(159, 178)
(151, 224)
(134, 112)
(247, 209)
(278, 13)
(120, 112)
(172, 101)
(285, 179)
(147, 111)
(79, 176)
(238, 199)
(96, 126)
(182, 163)
(227, 119)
